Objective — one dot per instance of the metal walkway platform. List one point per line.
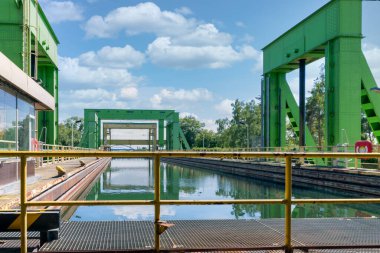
(266, 235)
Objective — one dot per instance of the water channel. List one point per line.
(132, 179)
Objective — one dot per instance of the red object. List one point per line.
(363, 147)
(34, 144)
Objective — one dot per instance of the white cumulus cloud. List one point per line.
(184, 10)
(204, 35)
(60, 11)
(90, 94)
(129, 92)
(113, 57)
(181, 95)
(141, 18)
(165, 53)
(187, 114)
(225, 108)
(372, 54)
(72, 74)
(181, 42)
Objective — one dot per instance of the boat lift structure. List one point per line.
(97, 121)
(334, 32)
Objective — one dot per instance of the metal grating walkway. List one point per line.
(267, 235)
(10, 241)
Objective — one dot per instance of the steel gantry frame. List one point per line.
(287, 201)
(166, 119)
(107, 140)
(334, 32)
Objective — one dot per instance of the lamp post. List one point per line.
(72, 131)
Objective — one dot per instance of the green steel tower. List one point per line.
(334, 32)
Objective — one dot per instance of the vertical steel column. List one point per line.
(157, 193)
(302, 141)
(161, 128)
(24, 222)
(288, 204)
(154, 132)
(267, 113)
(262, 112)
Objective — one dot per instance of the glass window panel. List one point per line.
(7, 120)
(25, 128)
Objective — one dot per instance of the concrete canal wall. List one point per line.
(48, 186)
(362, 181)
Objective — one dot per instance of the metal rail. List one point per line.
(157, 202)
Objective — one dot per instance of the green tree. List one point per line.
(191, 127)
(207, 139)
(246, 120)
(71, 125)
(315, 109)
(366, 130)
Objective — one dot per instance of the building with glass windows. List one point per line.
(28, 82)
(28, 40)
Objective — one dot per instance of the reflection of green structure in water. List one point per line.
(334, 32)
(166, 120)
(128, 179)
(110, 186)
(239, 188)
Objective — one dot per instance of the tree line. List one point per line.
(242, 130)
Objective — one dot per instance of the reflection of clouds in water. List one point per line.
(141, 212)
(130, 163)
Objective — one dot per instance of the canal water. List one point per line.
(132, 179)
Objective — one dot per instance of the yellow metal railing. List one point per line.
(47, 148)
(349, 163)
(157, 202)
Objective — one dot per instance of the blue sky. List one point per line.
(192, 56)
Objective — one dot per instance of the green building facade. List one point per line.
(27, 39)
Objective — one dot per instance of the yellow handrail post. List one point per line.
(23, 181)
(62, 158)
(157, 203)
(53, 158)
(288, 204)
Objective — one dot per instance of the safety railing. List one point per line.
(7, 145)
(339, 162)
(41, 161)
(158, 202)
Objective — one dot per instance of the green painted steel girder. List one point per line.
(93, 123)
(307, 39)
(334, 32)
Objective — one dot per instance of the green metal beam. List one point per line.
(93, 119)
(370, 101)
(335, 32)
(338, 18)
